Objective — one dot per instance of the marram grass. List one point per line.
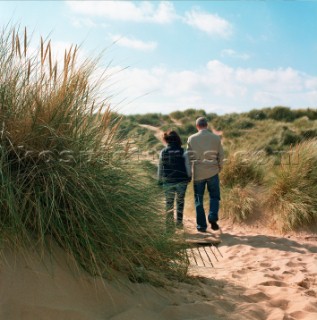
(292, 193)
(239, 203)
(64, 176)
(243, 167)
(243, 171)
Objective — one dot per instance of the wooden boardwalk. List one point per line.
(203, 250)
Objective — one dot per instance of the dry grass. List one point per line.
(292, 193)
(64, 175)
(239, 203)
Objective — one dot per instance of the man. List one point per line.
(206, 154)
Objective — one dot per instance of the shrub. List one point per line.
(211, 116)
(308, 134)
(257, 114)
(187, 129)
(64, 176)
(177, 115)
(230, 134)
(224, 122)
(243, 124)
(311, 114)
(194, 113)
(280, 113)
(153, 119)
(271, 146)
(289, 137)
(166, 118)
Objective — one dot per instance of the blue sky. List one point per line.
(221, 56)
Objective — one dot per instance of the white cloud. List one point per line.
(279, 80)
(133, 43)
(311, 83)
(83, 23)
(143, 11)
(212, 24)
(233, 54)
(217, 88)
(180, 83)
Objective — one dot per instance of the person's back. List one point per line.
(173, 164)
(174, 174)
(206, 153)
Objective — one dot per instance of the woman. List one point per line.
(174, 174)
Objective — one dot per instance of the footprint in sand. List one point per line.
(295, 264)
(265, 264)
(273, 276)
(298, 315)
(279, 303)
(257, 297)
(305, 283)
(288, 272)
(235, 276)
(274, 269)
(242, 271)
(311, 293)
(274, 283)
(311, 307)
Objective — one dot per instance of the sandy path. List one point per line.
(176, 122)
(257, 276)
(158, 133)
(264, 276)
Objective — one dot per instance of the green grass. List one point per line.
(65, 175)
(292, 193)
(239, 203)
(243, 171)
(243, 167)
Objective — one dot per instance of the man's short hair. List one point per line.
(201, 122)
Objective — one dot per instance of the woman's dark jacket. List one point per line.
(172, 165)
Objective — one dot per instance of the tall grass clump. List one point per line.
(243, 172)
(64, 176)
(292, 195)
(239, 203)
(243, 167)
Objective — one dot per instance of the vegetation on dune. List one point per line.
(243, 167)
(256, 142)
(65, 176)
(243, 171)
(239, 203)
(292, 193)
(269, 129)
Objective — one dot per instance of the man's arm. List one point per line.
(220, 156)
(191, 152)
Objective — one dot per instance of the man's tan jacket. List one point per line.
(205, 153)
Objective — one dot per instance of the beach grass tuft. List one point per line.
(65, 175)
(292, 193)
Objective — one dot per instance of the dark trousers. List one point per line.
(214, 198)
(175, 191)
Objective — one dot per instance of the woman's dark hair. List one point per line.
(172, 136)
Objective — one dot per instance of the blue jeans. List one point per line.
(175, 191)
(214, 198)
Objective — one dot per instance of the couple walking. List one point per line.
(202, 161)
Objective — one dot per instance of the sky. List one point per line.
(162, 56)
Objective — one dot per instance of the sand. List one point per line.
(258, 275)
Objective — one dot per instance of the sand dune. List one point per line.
(257, 276)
